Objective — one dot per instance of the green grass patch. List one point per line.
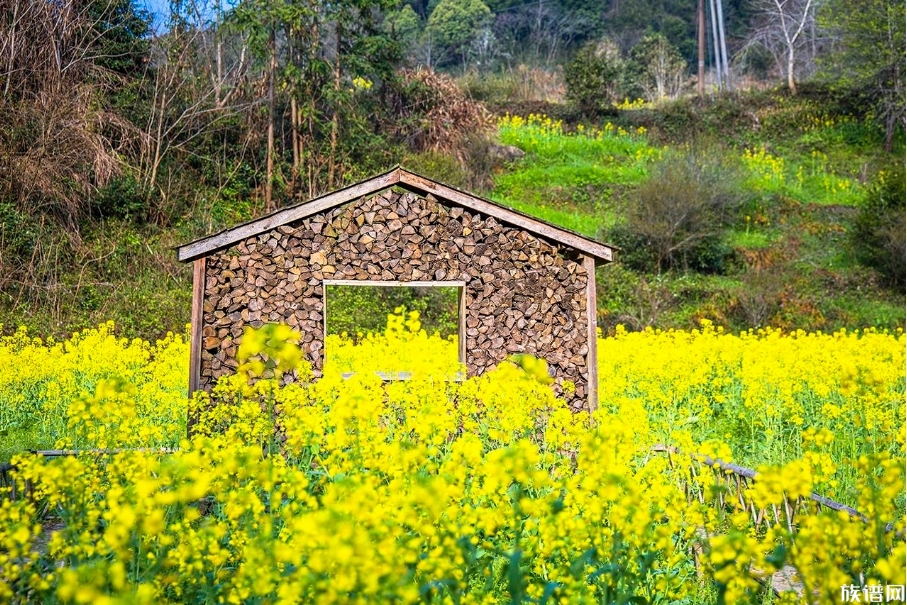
(16, 441)
(571, 178)
(589, 224)
(858, 310)
(751, 239)
(809, 181)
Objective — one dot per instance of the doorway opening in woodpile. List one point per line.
(397, 330)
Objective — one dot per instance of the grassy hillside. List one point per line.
(785, 259)
(798, 169)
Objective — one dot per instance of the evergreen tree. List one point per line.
(595, 76)
(454, 25)
(878, 234)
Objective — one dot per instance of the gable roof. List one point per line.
(408, 180)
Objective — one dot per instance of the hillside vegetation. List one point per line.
(780, 246)
(749, 223)
(780, 203)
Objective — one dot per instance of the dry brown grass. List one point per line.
(434, 114)
(57, 142)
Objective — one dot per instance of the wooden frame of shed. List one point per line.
(400, 227)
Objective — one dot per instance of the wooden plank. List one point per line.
(419, 184)
(211, 243)
(461, 325)
(195, 335)
(592, 332)
(378, 282)
(324, 323)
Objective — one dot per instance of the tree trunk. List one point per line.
(158, 144)
(294, 122)
(313, 168)
(12, 49)
(790, 70)
(715, 49)
(272, 68)
(335, 117)
(219, 51)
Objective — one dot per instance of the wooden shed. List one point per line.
(526, 286)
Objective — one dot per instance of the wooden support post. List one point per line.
(461, 329)
(592, 332)
(195, 338)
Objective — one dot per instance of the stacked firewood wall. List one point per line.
(522, 293)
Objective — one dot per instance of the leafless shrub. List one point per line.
(434, 114)
(55, 148)
(649, 299)
(536, 33)
(677, 217)
(758, 298)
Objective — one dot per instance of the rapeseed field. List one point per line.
(484, 490)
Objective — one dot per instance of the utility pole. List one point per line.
(701, 40)
(717, 55)
(723, 45)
